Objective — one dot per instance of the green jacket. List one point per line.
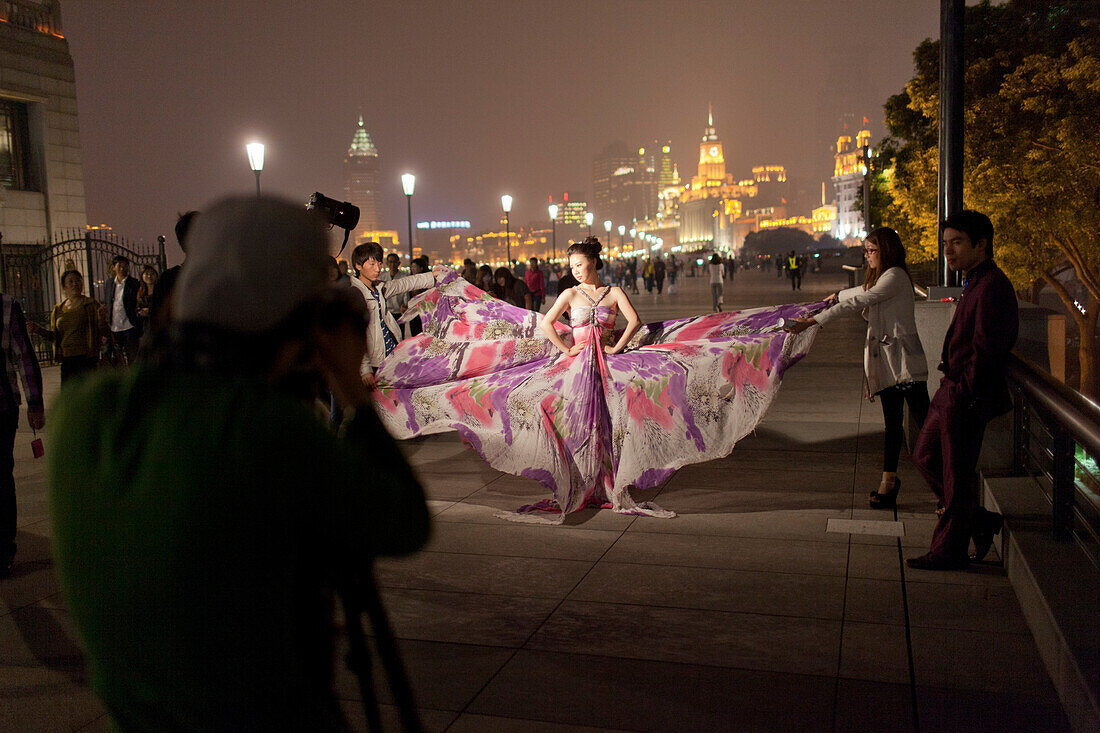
(197, 519)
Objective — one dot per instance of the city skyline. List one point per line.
(499, 98)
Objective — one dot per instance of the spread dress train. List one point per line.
(588, 426)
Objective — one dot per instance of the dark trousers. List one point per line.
(796, 279)
(536, 303)
(946, 454)
(72, 366)
(9, 422)
(128, 341)
(893, 401)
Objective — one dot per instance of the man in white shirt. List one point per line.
(122, 308)
(383, 331)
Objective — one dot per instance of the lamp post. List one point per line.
(552, 209)
(256, 161)
(607, 228)
(588, 217)
(506, 204)
(633, 238)
(622, 233)
(866, 189)
(408, 183)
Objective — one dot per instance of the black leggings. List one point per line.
(893, 401)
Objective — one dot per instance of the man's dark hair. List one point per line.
(364, 252)
(975, 224)
(183, 225)
(393, 256)
(120, 258)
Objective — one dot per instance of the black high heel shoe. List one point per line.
(889, 500)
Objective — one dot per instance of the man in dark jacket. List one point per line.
(972, 392)
(122, 308)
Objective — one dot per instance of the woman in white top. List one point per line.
(716, 277)
(893, 359)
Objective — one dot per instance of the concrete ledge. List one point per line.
(1057, 589)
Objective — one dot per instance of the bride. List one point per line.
(585, 411)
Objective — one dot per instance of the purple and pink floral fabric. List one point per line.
(590, 426)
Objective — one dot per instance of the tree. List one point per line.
(1032, 149)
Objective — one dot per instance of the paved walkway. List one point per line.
(743, 613)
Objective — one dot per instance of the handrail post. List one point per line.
(1021, 433)
(1062, 479)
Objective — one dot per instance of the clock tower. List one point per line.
(712, 164)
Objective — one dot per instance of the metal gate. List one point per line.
(31, 273)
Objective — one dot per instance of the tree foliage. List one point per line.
(778, 241)
(1031, 151)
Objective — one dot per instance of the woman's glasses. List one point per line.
(870, 250)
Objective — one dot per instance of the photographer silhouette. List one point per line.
(202, 514)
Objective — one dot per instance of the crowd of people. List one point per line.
(209, 441)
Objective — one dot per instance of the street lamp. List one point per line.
(506, 204)
(256, 161)
(588, 217)
(408, 183)
(552, 209)
(607, 228)
(622, 233)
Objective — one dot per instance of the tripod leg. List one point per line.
(359, 660)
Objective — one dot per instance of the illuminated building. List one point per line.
(571, 224)
(434, 238)
(488, 248)
(712, 202)
(387, 238)
(848, 176)
(362, 169)
(824, 219)
(41, 168)
(772, 186)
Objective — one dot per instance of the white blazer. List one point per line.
(892, 353)
(376, 343)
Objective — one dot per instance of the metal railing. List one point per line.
(1056, 440)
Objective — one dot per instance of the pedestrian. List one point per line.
(469, 271)
(201, 513)
(535, 283)
(382, 328)
(647, 275)
(160, 304)
(715, 269)
(148, 279)
(512, 289)
(972, 392)
(673, 271)
(659, 273)
(19, 357)
(794, 271)
(122, 317)
(632, 274)
(894, 364)
(74, 328)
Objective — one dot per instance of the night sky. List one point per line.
(476, 98)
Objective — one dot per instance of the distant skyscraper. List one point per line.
(362, 168)
(614, 181)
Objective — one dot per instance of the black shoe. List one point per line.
(991, 524)
(937, 562)
(889, 500)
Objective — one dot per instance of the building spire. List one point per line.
(710, 115)
(361, 143)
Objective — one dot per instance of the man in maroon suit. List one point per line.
(972, 392)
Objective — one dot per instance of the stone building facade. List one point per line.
(41, 170)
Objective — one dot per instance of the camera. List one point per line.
(336, 213)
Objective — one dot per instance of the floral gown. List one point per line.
(588, 426)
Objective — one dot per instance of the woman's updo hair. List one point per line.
(590, 248)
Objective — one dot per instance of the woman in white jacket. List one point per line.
(893, 359)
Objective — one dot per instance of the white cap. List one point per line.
(250, 262)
